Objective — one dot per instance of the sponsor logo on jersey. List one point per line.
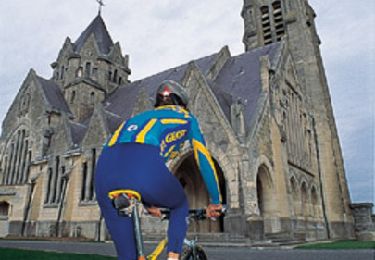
(174, 136)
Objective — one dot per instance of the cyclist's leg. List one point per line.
(122, 234)
(152, 180)
(120, 228)
(164, 190)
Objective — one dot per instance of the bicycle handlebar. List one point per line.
(197, 214)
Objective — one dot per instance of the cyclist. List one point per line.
(135, 158)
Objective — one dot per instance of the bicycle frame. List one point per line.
(130, 206)
(163, 243)
(137, 231)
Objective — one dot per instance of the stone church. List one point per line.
(266, 115)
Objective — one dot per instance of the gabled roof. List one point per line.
(53, 94)
(99, 30)
(240, 78)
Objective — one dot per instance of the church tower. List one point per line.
(90, 69)
(292, 21)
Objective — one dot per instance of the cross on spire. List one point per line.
(101, 4)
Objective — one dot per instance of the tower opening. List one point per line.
(278, 20)
(266, 25)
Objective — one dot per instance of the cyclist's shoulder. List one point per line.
(173, 111)
(165, 112)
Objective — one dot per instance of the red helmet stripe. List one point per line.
(166, 90)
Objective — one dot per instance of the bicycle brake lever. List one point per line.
(164, 217)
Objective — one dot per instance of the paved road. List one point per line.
(214, 253)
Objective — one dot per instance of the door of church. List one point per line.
(190, 178)
(4, 224)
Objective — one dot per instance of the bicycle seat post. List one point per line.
(137, 229)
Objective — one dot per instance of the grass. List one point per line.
(347, 244)
(20, 254)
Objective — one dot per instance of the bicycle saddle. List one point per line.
(121, 199)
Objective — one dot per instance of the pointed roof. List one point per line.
(98, 28)
(240, 78)
(77, 131)
(53, 94)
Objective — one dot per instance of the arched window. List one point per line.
(24, 104)
(88, 69)
(115, 76)
(49, 184)
(62, 72)
(314, 196)
(79, 72)
(16, 165)
(95, 73)
(314, 202)
(4, 209)
(92, 97)
(304, 201)
(72, 97)
(83, 184)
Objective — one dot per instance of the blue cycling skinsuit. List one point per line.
(135, 158)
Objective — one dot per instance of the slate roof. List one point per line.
(240, 78)
(77, 131)
(122, 101)
(53, 94)
(112, 121)
(102, 37)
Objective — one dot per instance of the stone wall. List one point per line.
(364, 221)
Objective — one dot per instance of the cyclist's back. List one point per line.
(134, 158)
(163, 127)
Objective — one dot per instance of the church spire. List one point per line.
(90, 68)
(97, 28)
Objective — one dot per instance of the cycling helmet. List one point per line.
(171, 93)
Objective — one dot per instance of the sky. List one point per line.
(158, 35)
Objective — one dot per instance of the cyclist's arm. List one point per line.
(205, 162)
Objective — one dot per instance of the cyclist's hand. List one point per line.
(213, 210)
(154, 211)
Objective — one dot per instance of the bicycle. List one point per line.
(128, 203)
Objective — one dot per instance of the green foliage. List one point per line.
(347, 244)
(20, 254)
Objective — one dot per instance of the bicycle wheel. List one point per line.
(187, 253)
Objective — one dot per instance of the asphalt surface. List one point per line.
(214, 253)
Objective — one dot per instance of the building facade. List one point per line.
(266, 115)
